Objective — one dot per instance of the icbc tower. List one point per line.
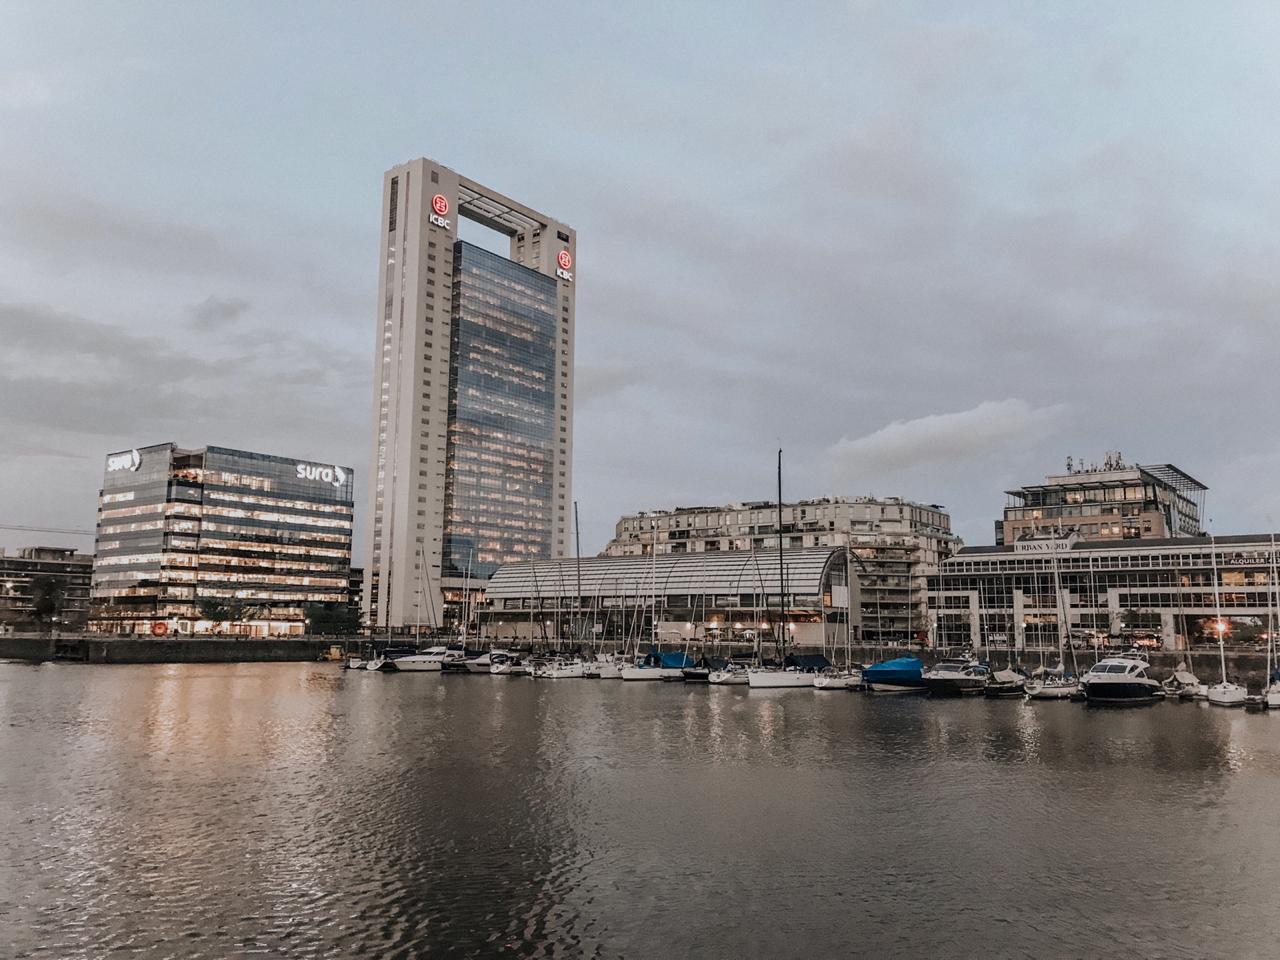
(473, 396)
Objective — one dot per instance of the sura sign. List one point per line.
(129, 460)
(313, 471)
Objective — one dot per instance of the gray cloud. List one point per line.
(216, 313)
(940, 438)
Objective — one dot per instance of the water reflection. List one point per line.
(208, 811)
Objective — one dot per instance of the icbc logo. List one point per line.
(565, 260)
(439, 207)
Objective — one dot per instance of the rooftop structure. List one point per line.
(1114, 501)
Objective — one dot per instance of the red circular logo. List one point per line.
(440, 205)
(565, 259)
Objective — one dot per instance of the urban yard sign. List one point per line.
(311, 471)
(439, 210)
(1044, 546)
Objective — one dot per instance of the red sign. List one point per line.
(565, 259)
(439, 204)
(159, 629)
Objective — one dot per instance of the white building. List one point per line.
(900, 543)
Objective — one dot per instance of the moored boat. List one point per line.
(1120, 681)
(899, 675)
(1006, 683)
(838, 679)
(954, 678)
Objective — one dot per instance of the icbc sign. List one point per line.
(564, 259)
(439, 209)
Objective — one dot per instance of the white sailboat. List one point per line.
(1225, 693)
(1054, 684)
(1270, 687)
(780, 676)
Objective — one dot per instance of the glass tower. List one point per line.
(501, 428)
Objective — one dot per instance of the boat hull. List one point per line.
(1057, 691)
(641, 673)
(953, 686)
(849, 681)
(1227, 695)
(418, 665)
(1121, 693)
(896, 686)
(727, 678)
(778, 679)
(696, 675)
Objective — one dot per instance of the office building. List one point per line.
(709, 597)
(895, 544)
(54, 579)
(1114, 501)
(1119, 591)
(473, 395)
(218, 541)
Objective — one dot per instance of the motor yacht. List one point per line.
(954, 678)
(1119, 681)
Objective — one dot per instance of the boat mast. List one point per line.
(1218, 625)
(782, 586)
(1271, 615)
(577, 559)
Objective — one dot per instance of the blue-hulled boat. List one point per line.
(900, 675)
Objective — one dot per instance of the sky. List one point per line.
(929, 250)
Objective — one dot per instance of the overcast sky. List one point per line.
(930, 249)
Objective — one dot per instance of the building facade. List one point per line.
(473, 395)
(218, 541)
(1114, 501)
(1117, 591)
(57, 575)
(895, 545)
(730, 597)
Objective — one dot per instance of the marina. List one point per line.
(300, 809)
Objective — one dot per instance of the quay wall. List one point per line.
(87, 649)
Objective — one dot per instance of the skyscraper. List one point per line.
(473, 395)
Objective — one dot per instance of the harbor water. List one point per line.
(297, 810)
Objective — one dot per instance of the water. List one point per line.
(292, 810)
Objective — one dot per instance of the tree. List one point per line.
(332, 619)
(47, 597)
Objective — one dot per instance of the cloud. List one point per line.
(215, 313)
(941, 438)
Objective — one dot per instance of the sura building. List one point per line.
(218, 541)
(473, 395)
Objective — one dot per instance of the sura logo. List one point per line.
(310, 471)
(129, 460)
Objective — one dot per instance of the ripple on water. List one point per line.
(294, 810)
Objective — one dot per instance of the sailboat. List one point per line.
(780, 676)
(1225, 693)
(1055, 684)
(1271, 686)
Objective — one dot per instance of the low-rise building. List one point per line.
(1114, 501)
(728, 596)
(219, 541)
(1120, 591)
(44, 587)
(899, 543)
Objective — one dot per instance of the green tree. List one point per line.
(48, 594)
(331, 619)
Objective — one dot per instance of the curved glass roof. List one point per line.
(669, 575)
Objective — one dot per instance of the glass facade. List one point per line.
(218, 540)
(501, 429)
